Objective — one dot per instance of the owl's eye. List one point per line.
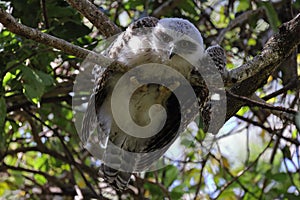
(164, 37)
(185, 44)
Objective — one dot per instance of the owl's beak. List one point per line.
(171, 52)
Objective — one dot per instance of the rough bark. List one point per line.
(106, 27)
(253, 74)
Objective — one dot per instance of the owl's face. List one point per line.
(175, 37)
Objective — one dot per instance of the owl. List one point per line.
(172, 42)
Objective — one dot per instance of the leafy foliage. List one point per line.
(256, 154)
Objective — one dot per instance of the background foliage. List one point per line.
(256, 155)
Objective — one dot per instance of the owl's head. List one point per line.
(178, 37)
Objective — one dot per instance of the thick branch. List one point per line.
(254, 74)
(106, 27)
(13, 26)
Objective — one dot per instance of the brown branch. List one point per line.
(253, 74)
(252, 102)
(292, 84)
(270, 130)
(44, 13)
(201, 177)
(255, 123)
(106, 27)
(13, 26)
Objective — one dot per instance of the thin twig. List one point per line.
(261, 104)
(44, 12)
(201, 176)
(295, 83)
(243, 171)
(68, 152)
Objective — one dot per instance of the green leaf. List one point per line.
(8, 76)
(243, 5)
(186, 142)
(3, 187)
(27, 11)
(46, 78)
(33, 93)
(66, 30)
(243, 110)
(177, 192)
(251, 42)
(200, 135)
(34, 83)
(40, 179)
(188, 6)
(55, 11)
(154, 190)
(227, 194)
(133, 4)
(17, 178)
(171, 175)
(280, 177)
(296, 4)
(41, 162)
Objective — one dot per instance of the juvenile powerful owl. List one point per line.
(173, 42)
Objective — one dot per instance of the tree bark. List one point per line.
(253, 74)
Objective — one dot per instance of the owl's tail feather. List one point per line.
(117, 179)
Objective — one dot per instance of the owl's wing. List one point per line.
(212, 110)
(90, 122)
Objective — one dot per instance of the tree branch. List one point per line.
(106, 27)
(13, 26)
(261, 104)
